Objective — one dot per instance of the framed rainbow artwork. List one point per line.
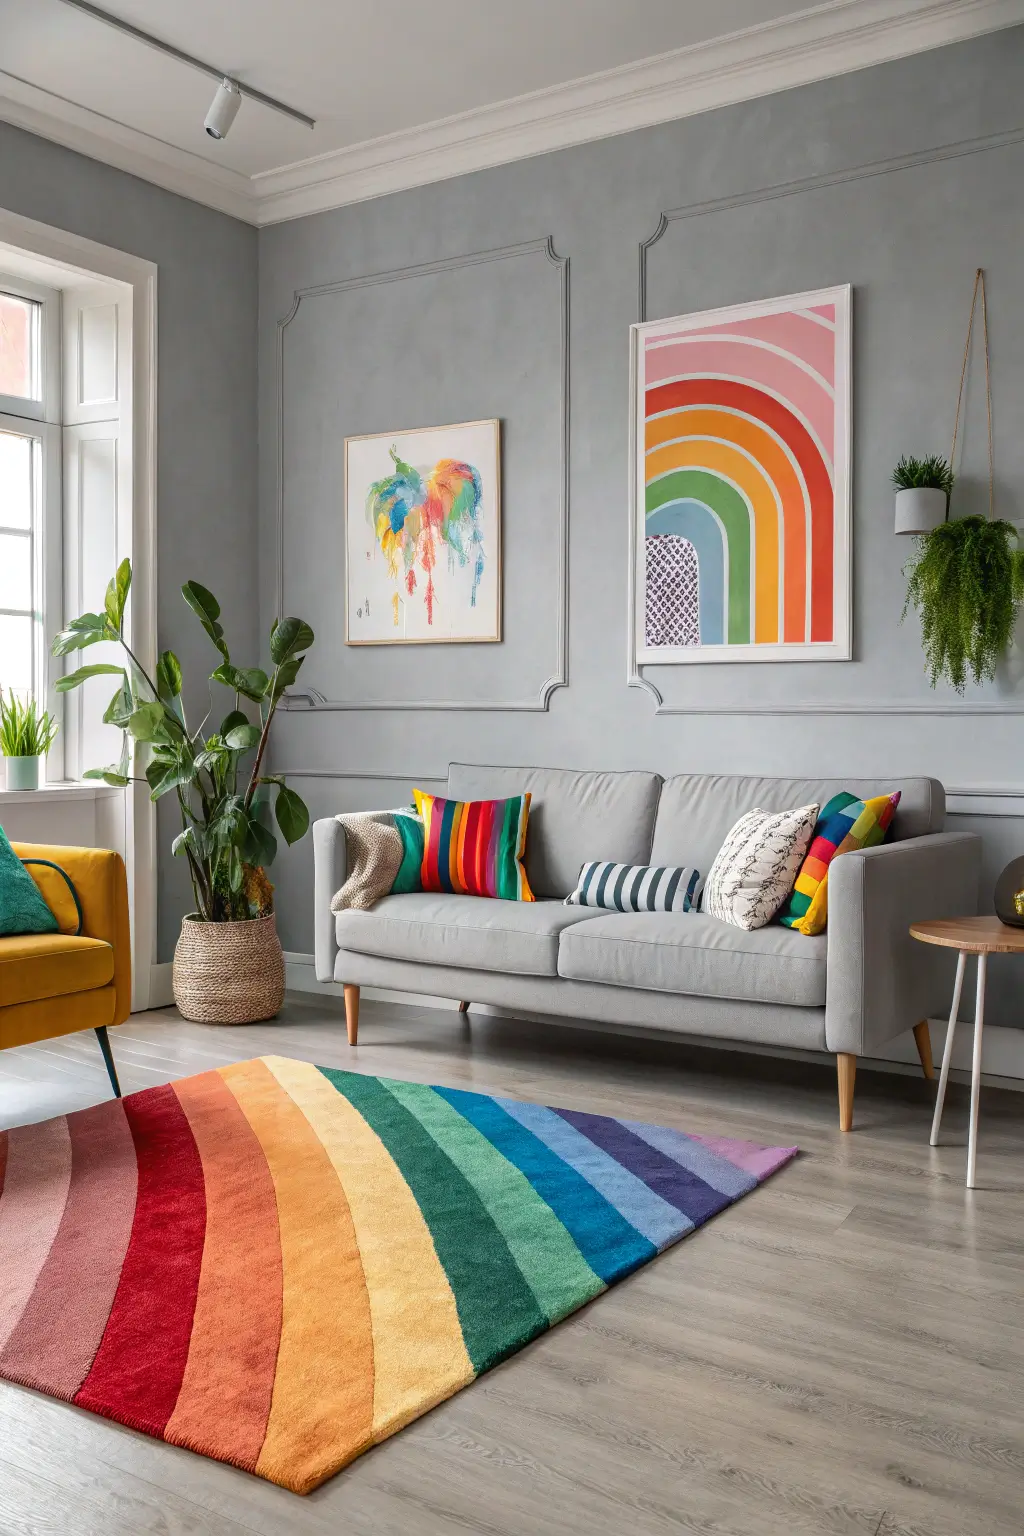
(741, 482)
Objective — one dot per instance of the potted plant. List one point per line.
(967, 583)
(26, 735)
(228, 965)
(923, 488)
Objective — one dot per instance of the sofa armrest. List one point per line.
(330, 866)
(880, 981)
(98, 876)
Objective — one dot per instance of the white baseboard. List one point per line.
(1004, 1048)
(161, 992)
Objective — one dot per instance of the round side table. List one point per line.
(981, 936)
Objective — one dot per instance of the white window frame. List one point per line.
(134, 830)
(41, 421)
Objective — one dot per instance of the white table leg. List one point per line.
(979, 1025)
(947, 1054)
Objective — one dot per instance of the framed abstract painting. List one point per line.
(740, 483)
(423, 535)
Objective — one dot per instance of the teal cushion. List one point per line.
(22, 908)
(410, 830)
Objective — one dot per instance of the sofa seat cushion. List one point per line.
(34, 966)
(697, 955)
(478, 933)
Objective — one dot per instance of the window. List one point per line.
(30, 512)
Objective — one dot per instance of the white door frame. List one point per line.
(92, 259)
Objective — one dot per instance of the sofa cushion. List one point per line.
(474, 932)
(698, 809)
(34, 966)
(574, 817)
(698, 955)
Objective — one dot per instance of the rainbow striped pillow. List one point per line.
(845, 823)
(475, 847)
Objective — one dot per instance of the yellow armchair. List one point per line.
(80, 978)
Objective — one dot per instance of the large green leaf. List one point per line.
(288, 638)
(207, 610)
(88, 629)
(242, 738)
(117, 594)
(283, 678)
(151, 722)
(108, 775)
(162, 776)
(292, 815)
(75, 679)
(249, 681)
(260, 845)
(121, 707)
(168, 677)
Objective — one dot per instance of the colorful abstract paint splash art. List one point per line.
(743, 417)
(413, 518)
(279, 1265)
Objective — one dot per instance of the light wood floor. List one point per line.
(839, 1353)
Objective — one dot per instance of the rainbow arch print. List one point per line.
(741, 478)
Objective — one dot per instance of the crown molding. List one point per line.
(102, 138)
(828, 40)
(815, 44)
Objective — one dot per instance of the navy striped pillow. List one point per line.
(637, 888)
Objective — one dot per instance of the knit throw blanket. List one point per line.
(385, 851)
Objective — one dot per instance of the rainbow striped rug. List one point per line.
(279, 1265)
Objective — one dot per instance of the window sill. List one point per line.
(51, 792)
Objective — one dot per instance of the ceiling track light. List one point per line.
(229, 93)
(224, 109)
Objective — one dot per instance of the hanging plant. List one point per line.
(967, 584)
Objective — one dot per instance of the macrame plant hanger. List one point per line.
(979, 289)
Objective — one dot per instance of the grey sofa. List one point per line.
(847, 992)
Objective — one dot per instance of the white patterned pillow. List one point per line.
(755, 868)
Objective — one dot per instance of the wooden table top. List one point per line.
(976, 935)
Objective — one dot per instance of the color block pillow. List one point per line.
(844, 824)
(755, 867)
(475, 847)
(22, 908)
(636, 888)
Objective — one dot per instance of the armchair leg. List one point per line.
(923, 1039)
(352, 1012)
(846, 1065)
(463, 1007)
(108, 1059)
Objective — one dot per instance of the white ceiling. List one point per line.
(407, 91)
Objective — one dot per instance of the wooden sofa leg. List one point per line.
(846, 1065)
(352, 1012)
(463, 1007)
(923, 1039)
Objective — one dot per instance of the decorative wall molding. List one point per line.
(361, 774)
(636, 676)
(314, 701)
(825, 40)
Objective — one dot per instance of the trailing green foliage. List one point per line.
(25, 731)
(966, 582)
(227, 813)
(933, 473)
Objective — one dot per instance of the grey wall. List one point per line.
(206, 486)
(900, 180)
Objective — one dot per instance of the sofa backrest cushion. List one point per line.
(697, 810)
(574, 816)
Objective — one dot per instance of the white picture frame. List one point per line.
(740, 415)
(423, 536)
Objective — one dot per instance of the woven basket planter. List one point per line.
(228, 973)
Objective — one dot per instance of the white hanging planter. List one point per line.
(920, 509)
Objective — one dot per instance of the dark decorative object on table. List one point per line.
(1009, 895)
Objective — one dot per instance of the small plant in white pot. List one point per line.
(228, 965)
(923, 489)
(26, 735)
